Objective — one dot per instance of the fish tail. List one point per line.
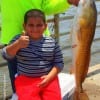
(80, 96)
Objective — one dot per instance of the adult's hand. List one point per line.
(74, 2)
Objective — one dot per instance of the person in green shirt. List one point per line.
(13, 11)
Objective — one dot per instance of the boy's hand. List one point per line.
(23, 41)
(45, 81)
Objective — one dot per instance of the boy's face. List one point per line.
(35, 27)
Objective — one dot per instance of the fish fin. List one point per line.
(80, 96)
(79, 36)
(83, 96)
(72, 70)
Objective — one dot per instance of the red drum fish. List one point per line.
(82, 34)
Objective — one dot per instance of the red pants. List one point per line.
(27, 89)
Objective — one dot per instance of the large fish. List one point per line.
(82, 34)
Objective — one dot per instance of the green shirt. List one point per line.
(13, 11)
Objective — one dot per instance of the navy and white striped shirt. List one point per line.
(39, 57)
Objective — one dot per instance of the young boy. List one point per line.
(39, 60)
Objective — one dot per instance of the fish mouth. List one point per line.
(74, 45)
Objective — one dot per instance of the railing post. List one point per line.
(56, 27)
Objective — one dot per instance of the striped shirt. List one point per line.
(38, 58)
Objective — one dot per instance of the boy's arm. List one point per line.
(9, 51)
(57, 67)
(53, 73)
(12, 49)
(58, 62)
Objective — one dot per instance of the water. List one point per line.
(65, 26)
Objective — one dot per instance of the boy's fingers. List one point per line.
(23, 33)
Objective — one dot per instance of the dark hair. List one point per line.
(34, 13)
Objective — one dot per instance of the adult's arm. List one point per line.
(57, 6)
(51, 7)
(74, 2)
